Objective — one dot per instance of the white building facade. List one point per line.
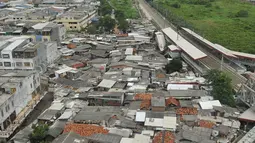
(17, 90)
(22, 54)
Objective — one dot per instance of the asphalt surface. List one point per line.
(210, 61)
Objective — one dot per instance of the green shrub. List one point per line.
(242, 13)
(176, 5)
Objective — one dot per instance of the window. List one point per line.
(7, 108)
(1, 64)
(31, 85)
(19, 64)
(13, 18)
(7, 64)
(74, 26)
(59, 22)
(6, 56)
(2, 113)
(71, 27)
(12, 103)
(72, 22)
(26, 64)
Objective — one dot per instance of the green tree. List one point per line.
(107, 23)
(39, 133)
(222, 88)
(91, 29)
(123, 25)
(174, 65)
(119, 15)
(104, 8)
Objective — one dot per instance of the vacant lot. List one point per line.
(220, 21)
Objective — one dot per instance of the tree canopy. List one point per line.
(123, 25)
(222, 88)
(174, 65)
(104, 8)
(107, 23)
(91, 29)
(39, 133)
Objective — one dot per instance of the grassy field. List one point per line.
(127, 7)
(217, 21)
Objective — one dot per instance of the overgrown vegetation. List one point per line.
(122, 10)
(230, 23)
(222, 89)
(39, 133)
(174, 65)
(127, 8)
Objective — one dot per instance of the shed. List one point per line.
(209, 104)
(134, 58)
(169, 123)
(129, 51)
(140, 116)
(106, 83)
(141, 139)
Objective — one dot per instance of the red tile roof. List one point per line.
(173, 101)
(146, 104)
(143, 96)
(206, 124)
(168, 138)
(187, 111)
(85, 129)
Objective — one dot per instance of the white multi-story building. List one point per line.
(17, 90)
(23, 54)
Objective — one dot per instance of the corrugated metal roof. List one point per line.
(40, 25)
(187, 47)
(210, 104)
(106, 83)
(140, 116)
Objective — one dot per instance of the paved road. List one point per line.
(210, 61)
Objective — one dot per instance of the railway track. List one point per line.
(210, 61)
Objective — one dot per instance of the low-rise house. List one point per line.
(106, 84)
(104, 138)
(70, 137)
(99, 63)
(173, 51)
(47, 31)
(52, 113)
(106, 98)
